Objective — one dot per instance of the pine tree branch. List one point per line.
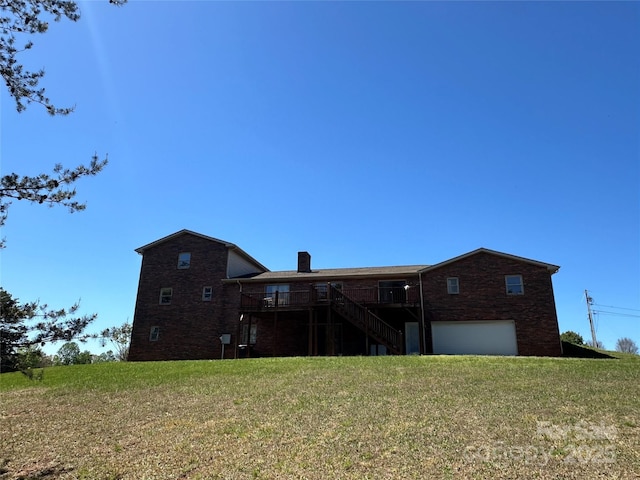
(51, 189)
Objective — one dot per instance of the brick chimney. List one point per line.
(304, 262)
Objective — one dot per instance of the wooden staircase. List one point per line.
(372, 325)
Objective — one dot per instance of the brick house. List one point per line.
(203, 298)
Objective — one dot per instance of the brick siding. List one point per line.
(483, 297)
(190, 327)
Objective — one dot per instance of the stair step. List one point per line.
(339, 305)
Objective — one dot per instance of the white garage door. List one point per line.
(479, 338)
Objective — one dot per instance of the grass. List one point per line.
(318, 418)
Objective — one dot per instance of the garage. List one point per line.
(496, 337)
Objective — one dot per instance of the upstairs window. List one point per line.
(281, 292)
(154, 334)
(165, 296)
(392, 291)
(514, 284)
(322, 290)
(184, 260)
(453, 287)
(207, 294)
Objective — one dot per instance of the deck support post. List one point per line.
(238, 333)
(249, 337)
(310, 341)
(275, 332)
(366, 335)
(329, 333)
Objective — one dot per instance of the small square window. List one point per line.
(514, 284)
(453, 287)
(184, 260)
(154, 334)
(207, 294)
(165, 296)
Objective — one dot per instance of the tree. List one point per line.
(31, 324)
(25, 18)
(626, 345)
(54, 189)
(598, 344)
(572, 337)
(107, 356)
(68, 354)
(22, 19)
(84, 358)
(120, 338)
(30, 357)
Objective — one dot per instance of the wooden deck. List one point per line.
(315, 297)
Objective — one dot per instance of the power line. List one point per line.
(616, 314)
(620, 308)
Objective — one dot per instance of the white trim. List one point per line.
(184, 260)
(154, 334)
(162, 295)
(207, 296)
(520, 284)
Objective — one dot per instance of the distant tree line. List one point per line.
(623, 345)
(68, 354)
(21, 340)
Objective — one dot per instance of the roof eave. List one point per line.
(320, 276)
(184, 231)
(550, 267)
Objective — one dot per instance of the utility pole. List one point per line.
(590, 314)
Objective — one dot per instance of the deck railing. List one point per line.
(366, 320)
(316, 294)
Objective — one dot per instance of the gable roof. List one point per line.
(184, 231)
(552, 268)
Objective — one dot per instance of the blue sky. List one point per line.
(367, 133)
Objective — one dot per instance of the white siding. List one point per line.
(237, 266)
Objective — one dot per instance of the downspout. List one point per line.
(424, 335)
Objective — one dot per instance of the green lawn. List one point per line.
(319, 418)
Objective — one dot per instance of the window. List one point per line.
(453, 287)
(249, 339)
(281, 292)
(165, 296)
(514, 284)
(184, 260)
(154, 334)
(207, 294)
(393, 291)
(322, 290)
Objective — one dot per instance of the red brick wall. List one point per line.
(483, 297)
(189, 327)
